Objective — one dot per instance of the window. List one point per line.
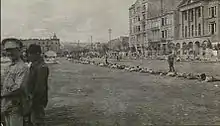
(138, 9)
(192, 15)
(209, 12)
(144, 16)
(163, 34)
(199, 29)
(189, 31)
(185, 31)
(139, 28)
(144, 8)
(162, 23)
(165, 21)
(213, 28)
(199, 12)
(144, 26)
(192, 30)
(195, 30)
(130, 13)
(215, 10)
(212, 11)
(139, 18)
(185, 15)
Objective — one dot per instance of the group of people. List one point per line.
(24, 88)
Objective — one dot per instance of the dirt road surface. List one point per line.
(86, 95)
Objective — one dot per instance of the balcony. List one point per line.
(155, 28)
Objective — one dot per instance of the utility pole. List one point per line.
(91, 40)
(163, 20)
(78, 43)
(161, 6)
(110, 32)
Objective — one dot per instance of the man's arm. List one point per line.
(41, 81)
(20, 83)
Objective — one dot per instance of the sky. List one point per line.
(71, 20)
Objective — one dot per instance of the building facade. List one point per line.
(191, 29)
(137, 26)
(52, 44)
(199, 28)
(119, 44)
(161, 32)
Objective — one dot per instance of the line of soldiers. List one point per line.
(24, 90)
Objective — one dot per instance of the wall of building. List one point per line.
(137, 25)
(195, 42)
(46, 44)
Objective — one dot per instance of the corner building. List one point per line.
(199, 28)
(137, 26)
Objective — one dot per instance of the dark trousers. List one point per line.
(171, 67)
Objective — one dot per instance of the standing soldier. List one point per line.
(38, 87)
(15, 78)
(106, 59)
(171, 62)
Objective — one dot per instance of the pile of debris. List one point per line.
(190, 76)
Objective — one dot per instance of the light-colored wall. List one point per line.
(53, 44)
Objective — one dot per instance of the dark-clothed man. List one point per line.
(38, 85)
(170, 60)
(106, 59)
(14, 82)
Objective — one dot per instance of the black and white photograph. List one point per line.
(110, 62)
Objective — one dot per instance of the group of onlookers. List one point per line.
(24, 92)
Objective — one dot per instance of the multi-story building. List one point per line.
(152, 25)
(161, 32)
(52, 44)
(199, 28)
(137, 26)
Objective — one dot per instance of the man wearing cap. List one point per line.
(13, 93)
(37, 85)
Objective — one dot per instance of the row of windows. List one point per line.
(191, 31)
(137, 10)
(190, 14)
(138, 18)
(136, 29)
(196, 30)
(47, 43)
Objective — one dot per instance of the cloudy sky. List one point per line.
(71, 20)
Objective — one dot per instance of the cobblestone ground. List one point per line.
(86, 95)
(188, 67)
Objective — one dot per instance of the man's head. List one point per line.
(13, 48)
(34, 52)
